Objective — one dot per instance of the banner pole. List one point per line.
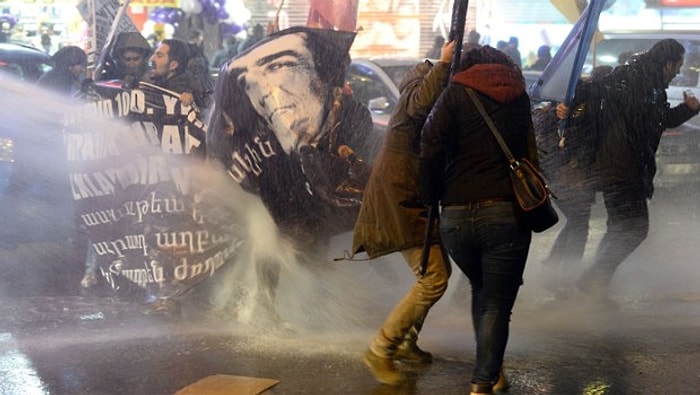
(457, 26)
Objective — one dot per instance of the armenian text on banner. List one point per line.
(135, 194)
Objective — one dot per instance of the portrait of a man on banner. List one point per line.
(285, 127)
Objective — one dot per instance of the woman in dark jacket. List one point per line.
(465, 171)
(69, 64)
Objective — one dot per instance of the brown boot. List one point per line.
(502, 384)
(383, 369)
(408, 351)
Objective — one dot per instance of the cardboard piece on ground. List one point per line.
(224, 384)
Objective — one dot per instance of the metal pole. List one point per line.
(459, 18)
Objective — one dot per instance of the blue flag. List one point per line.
(559, 78)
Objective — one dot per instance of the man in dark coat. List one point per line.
(391, 220)
(633, 105)
(170, 71)
(69, 65)
(128, 60)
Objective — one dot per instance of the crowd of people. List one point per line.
(613, 129)
(439, 152)
(510, 48)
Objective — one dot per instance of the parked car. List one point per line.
(22, 61)
(374, 82)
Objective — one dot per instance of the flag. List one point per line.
(333, 14)
(559, 78)
(570, 9)
(285, 129)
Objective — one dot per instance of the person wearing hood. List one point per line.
(69, 65)
(464, 170)
(129, 59)
(391, 219)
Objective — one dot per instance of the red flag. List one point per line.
(333, 14)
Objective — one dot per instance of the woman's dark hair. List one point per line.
(69, 56)
(485, 55)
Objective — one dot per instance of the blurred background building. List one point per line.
(395, 28)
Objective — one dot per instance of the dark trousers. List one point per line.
(576, 196)
(627, 227)
(487, 243)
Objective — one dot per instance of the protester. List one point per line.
(128, 59)
(567, 161)
(69, 65)
(631, 107)
(513, 52)
(544, 56)
(46, 40)
(501, 45)
(258, 34)
(391, 220)
(472, 42)
(5, 32)
(435, 51)
(465, 171)
(127, 62)
(169, 71)
(198, 66)
(229, 50)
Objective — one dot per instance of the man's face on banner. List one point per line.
(282, 84)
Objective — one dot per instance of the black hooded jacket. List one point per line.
(461, 160)
(631, 111)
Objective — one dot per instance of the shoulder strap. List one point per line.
(509, 155)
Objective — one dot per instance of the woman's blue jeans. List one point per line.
(487, 242)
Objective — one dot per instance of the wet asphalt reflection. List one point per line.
(644, 342)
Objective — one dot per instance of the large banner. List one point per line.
(287, 129)
(134, 189)
(283, 127)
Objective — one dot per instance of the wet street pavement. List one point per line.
(100, 346)
(644, 343)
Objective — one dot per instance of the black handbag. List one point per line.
(530, 188)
